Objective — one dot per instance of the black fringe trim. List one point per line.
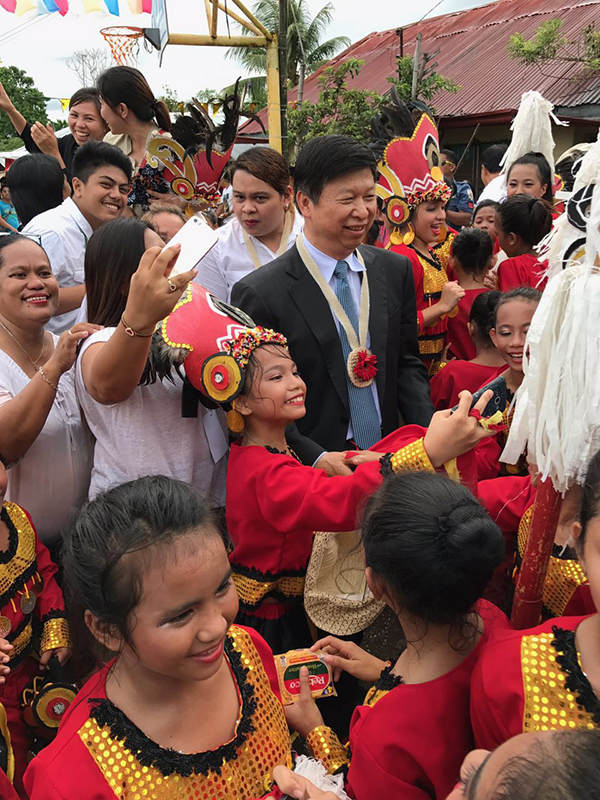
(13, 537)
(167, 761)
(576, 681)
(386, 468)
(55, 613)
(386, 681)
(266, 577)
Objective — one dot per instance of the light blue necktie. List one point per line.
(363, 411)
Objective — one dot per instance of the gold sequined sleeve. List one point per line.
(326, 746)
(411, 458)
(55, 633)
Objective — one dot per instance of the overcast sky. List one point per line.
(40, 45)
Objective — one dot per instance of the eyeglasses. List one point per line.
(452, 164)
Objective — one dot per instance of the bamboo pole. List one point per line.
(219, 41)
(527, 602)
(253, 19)
(244, 22)
(273, 95)
(208, 12)
(214, 19)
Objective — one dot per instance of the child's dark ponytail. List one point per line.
(433, 544)
(483, 316)
(530, 219)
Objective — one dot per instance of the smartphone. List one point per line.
(196, 239)
(498, 401)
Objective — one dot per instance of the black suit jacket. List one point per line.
(282, 295)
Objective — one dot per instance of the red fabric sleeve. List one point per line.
(441, 389)
(7, 791)
(508, 275)
(266, 656)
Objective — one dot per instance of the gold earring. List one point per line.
(235, 421)
(396, 237)
(409, 236)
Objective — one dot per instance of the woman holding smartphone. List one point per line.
(135, 416)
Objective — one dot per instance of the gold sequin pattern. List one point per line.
(549, 705)
(444, 249)
(434, 279)
(411, 457)
(56, 633)
(563, 578)
(326, 746)
(21, 641)
(24, 557)
(240, 778)
(252, 591)
(429, 347)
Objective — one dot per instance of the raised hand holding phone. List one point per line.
(196, 238)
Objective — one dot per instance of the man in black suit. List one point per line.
(335, 193)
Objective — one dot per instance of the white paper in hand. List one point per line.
(196, 239)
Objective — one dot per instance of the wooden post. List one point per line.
(220, 41)
(527, 602)
(416, 66)
(214, 18)
(273, 96)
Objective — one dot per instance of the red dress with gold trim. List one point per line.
(274, 505)
(409, 740)
(32, 615)
(531, 681)
(99, 753)
(430, 277)
(523, 270)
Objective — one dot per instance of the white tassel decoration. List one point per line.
(315, 771)
(557, 407)
(532, 130)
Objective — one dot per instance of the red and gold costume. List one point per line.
(274, 505)
(32, 618)
(98, 750)
(531, 681)
(409, 740)
(410, 174)
(430, 278)
(456, 376)
(523, 270)
(510, 501)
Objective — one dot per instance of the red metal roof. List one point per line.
(473, 52)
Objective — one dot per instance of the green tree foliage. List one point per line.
(338, 109)
(549, 44)
(350, 111)
(429, 82)
(29, 100)
(305, 50)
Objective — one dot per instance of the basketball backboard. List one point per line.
(158, 33)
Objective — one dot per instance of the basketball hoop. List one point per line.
(123, 41)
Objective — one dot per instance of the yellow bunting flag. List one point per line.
(92, 5)
(64, 103)
(23, 6)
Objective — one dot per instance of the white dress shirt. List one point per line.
(327, 265)
(495, 190)
(229, 260)
(63, 232)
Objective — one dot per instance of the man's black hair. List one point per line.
(450, 155)
(492, 156)
(326, 158)
(93, 155)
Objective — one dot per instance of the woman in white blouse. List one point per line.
(264, 224)
(42, 439)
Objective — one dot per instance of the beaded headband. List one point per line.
(248, 340)
(441, 191)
